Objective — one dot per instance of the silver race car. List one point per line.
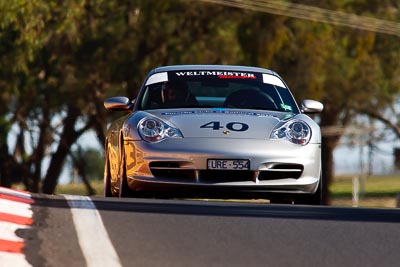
(214, 131)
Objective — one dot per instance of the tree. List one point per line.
(88, 164)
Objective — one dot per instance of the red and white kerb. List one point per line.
(15, 213)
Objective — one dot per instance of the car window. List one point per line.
(232, 90)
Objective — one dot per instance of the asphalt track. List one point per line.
(79, 231)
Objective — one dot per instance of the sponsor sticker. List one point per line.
(157, 78)
(219, 74)
(218, 111)
(286, 107)
(265, 78)
(272, 79)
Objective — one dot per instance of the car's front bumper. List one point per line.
(276, 166)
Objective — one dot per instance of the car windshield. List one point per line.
(216, 89)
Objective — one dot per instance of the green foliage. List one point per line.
(374, 186)
(79, 188)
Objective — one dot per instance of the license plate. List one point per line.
(228, 164)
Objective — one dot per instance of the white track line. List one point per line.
(16, 208)
(93, 238)
(7, 231)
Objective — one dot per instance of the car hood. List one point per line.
(223, 123)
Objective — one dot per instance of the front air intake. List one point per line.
(171, 170)
(277, 171)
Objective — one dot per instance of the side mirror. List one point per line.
(118, 103)
(311, 106)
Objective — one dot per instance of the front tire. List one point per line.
(107, 178)
(124, 190)
(314, 199)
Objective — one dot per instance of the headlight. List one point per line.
(155, 130)
(297, 132)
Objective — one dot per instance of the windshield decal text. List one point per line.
(219, 74)
(218, 111)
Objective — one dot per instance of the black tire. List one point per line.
(124, 190)
(314, 199)
(107, 178)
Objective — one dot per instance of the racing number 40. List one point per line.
(233, 126)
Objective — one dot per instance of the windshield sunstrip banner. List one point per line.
(219, 74)
(176, 75)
